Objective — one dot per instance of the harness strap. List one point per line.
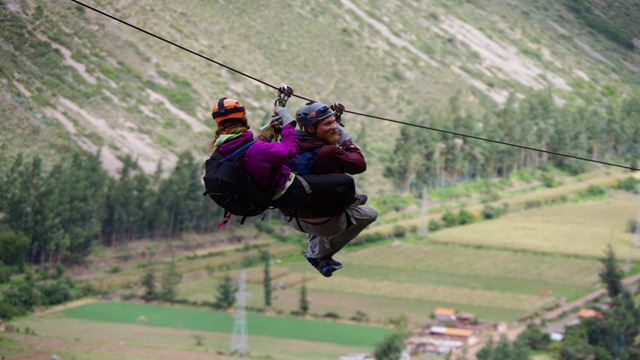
(305, 184)
(234, 155)
(225, 220)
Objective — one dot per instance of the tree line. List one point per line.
(58, 215)
(593, 126)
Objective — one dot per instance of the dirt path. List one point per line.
(45, 348)
(585, 299)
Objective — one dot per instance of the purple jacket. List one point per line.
(264, 161)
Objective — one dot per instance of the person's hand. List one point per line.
(284, 115)
(275, 123)
(344, 135)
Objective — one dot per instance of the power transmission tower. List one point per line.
(627, 264)
(636, 243)
(239, 339)
(424, 211)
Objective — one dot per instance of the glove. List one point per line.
(344, 135)
(283, 115)
(275, 123)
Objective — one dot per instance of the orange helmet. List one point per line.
(227, 109)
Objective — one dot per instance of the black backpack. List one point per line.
(229, 185)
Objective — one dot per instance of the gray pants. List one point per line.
(328, 238)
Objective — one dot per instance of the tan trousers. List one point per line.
(328, 238)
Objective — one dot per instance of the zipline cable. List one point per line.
(349, 111)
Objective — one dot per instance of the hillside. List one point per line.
(74, 79)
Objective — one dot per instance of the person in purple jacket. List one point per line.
(265, 162)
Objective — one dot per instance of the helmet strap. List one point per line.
(221, 104)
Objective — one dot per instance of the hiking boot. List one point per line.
(360, 199)
(325, 266)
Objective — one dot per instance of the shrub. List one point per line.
(532, 204)
(633, 226)
(360, 316)
(549, 181)
(535, 338)
(629, 184)
(391, 347)
(435, 225)
(489, 212)
(387, 202)
(55, 292)
(449, 219)
(595, 191)
(114, 269)
(368, 238)
(331, 315)
(465, 217)
(59, 270)
(399, 231)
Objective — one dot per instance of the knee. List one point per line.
(374, 215)
(371, 214)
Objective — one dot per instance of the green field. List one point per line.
(572, 229)
(73, 338)
(209, 320)
(416, 276)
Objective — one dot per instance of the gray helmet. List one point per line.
(312, 112)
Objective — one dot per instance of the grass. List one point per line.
(96, 340)
(215, 321)
(573, 229)
(386, 281)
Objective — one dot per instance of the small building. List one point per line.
(432, 345)
(589, 313)
(445, 314)
(464, 335)
(441, 340)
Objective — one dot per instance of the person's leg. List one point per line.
(319, 249)
(330, 190)
(361, 216)
(332, 226)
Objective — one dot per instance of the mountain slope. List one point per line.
(72, 78)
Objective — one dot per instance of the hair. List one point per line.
(229, 126)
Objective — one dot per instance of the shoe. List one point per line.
(360, 199)
(325, 266)
(337, 264)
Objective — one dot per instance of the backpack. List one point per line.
(229, 185)
(303, 162)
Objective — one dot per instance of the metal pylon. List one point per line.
(423, 229)
(239, 339)
(636, 243)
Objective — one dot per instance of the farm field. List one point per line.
(416, 276)
(100, 326)
(573, 229)
(209, 320)
(515, 198)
